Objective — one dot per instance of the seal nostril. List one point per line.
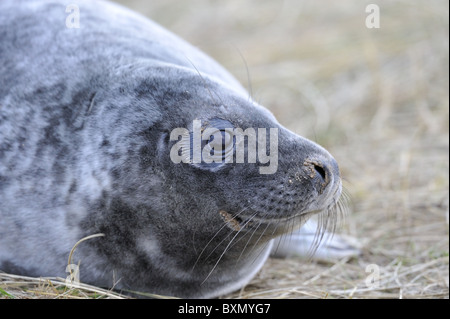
(321, 172)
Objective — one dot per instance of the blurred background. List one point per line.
(376, 98)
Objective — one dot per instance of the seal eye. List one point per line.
(206, 146)
(220, 145)
(212, 144)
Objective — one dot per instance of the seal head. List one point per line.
(87, 146)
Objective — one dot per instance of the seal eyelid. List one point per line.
(220, 124)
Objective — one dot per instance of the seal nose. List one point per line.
(322, 172)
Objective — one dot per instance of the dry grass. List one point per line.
(377, 99)
(22, 287)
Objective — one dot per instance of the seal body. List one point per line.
(86, 115)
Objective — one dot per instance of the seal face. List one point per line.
(86, 118)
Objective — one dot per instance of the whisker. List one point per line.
(246, 244)
(322, 224)
(259, 238)
(204, 82)
(223, 253)
(215, 235)
(249, 82)
(248, 241)
(263, 247)
(330, 220)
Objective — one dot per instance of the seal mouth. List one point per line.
(240, 223)
(245, 221)
(235, 223)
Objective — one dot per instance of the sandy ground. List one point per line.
(377, 99)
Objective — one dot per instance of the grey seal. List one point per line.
(87, 107)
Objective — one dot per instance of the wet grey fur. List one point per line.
(85, 118)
